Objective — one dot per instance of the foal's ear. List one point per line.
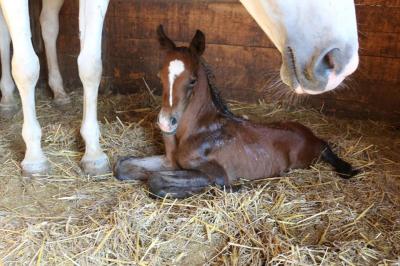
(163, 39)
(198, 43)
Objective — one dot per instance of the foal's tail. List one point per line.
(343, 168)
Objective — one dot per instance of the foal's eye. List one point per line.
(192, 82)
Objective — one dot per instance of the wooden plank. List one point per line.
(371, 43)
(378, 19)
(67, 44)
(70, 7)
(131, 22)
(372, 15)
(69, 71)
(373, 101)
(381, 44)
(69, 25)
(236, 67)
(240, 68)
(224, 23)
(73, 5)
(378, 69)
(371, 68)
(378, 3)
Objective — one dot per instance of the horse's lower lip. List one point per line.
(166, 132)
(292, 79)
(295, 82)
(299, 90)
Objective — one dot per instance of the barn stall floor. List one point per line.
(306, 217)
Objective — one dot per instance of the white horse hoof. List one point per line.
(8, 110)
(96, 167)
(62, 100)
(30, 169)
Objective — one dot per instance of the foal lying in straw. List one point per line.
(206, 144)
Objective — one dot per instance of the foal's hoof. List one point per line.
(30, 169)
(125, 169)
(170, 192)
(60, 101)
(173, 184)
(96, 167)
(7, 111)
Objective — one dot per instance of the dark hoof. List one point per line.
(170, 192)
(177, 184)
(158, 189)
(125, 169)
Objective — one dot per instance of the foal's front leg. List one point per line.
(25, 69)
(187, 182)
(133, 168)
(91, 17)
(170, 147)
(178, 183)
(163, 179)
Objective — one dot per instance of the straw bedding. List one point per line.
(306, 217)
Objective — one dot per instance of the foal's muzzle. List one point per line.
(167, 123)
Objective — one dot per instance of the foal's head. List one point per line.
(178, 77)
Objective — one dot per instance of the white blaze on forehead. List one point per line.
(176, 67)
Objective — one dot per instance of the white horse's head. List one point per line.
(317, 39)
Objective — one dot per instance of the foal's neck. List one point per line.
(200, 109)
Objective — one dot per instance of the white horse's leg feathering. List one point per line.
(25, 70)
(91, 18)
(50, 25)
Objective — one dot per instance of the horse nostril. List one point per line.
(330, 60)
(173, 121)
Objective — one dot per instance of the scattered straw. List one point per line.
(307, 217)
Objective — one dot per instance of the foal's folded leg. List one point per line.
(178, 184)
(134, 168)
(222, 180)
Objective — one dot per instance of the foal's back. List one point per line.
(255, 151)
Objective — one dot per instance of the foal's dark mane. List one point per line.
(216, 98)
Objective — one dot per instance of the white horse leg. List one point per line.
(7, 104)
(50, 26)
(25, 70)
(91, 18)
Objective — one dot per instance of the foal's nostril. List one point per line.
(173, 121)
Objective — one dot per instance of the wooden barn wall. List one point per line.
(242, 56)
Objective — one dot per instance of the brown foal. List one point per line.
(205, 144)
